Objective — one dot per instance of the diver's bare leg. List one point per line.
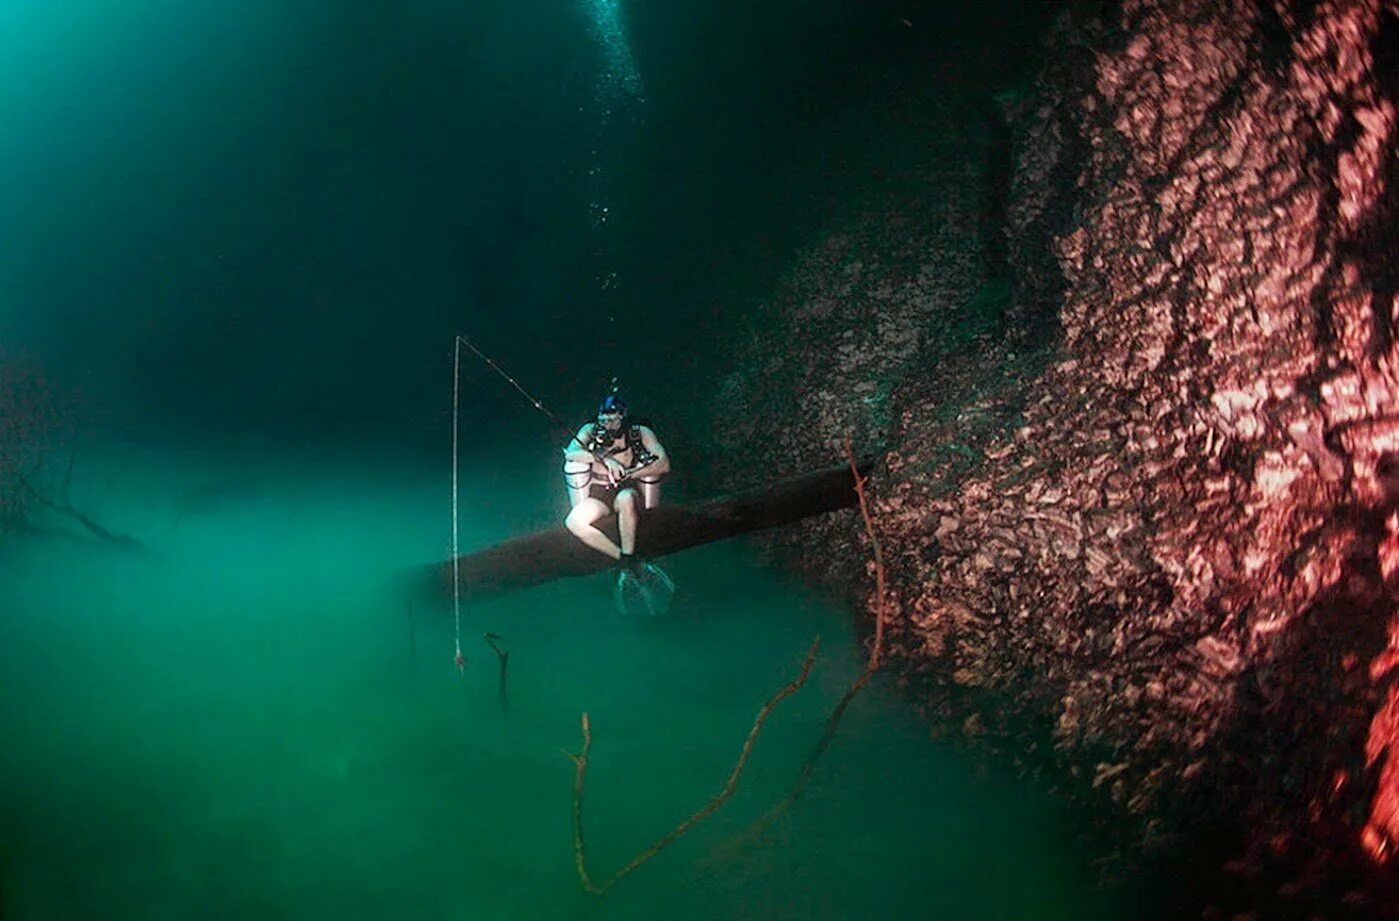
(580, 524)
(626, 505)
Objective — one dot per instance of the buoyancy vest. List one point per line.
(600, 444)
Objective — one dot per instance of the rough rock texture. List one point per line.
(893, 287)
(1049, 153)
(1177, 545)
(1183, 553)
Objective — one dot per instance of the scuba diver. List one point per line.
(613, 465)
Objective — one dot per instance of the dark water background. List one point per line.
(270, 217)
(238, 238)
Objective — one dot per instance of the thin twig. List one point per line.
(580, 773)
(66, 508)
(872, 665)
(879, 599)
(809, 765)
(580, 762)
(503, 655)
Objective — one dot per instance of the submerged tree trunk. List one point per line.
(557, 554)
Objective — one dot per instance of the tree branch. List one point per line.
(580, 762)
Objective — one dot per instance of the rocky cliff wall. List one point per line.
(1176, 544)
(895, 284)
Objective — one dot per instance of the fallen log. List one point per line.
(556, 554)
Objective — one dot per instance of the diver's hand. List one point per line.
(615, 471)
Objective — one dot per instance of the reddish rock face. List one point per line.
(856, 313)
(1179, 543)
(1187, 552)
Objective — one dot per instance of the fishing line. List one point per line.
(456, 552)
(562, 426)
(639, 463)
(456, 463)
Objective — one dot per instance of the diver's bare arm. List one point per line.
(575, 450)
(652, 444)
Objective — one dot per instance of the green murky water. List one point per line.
(268, 219)
(242, 722)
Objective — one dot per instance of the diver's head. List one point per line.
(611, 412)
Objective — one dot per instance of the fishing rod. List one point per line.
(561, 425)
(460, 658)
(534, 401)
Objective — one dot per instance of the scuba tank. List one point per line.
(577, 477)
(650, 488)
